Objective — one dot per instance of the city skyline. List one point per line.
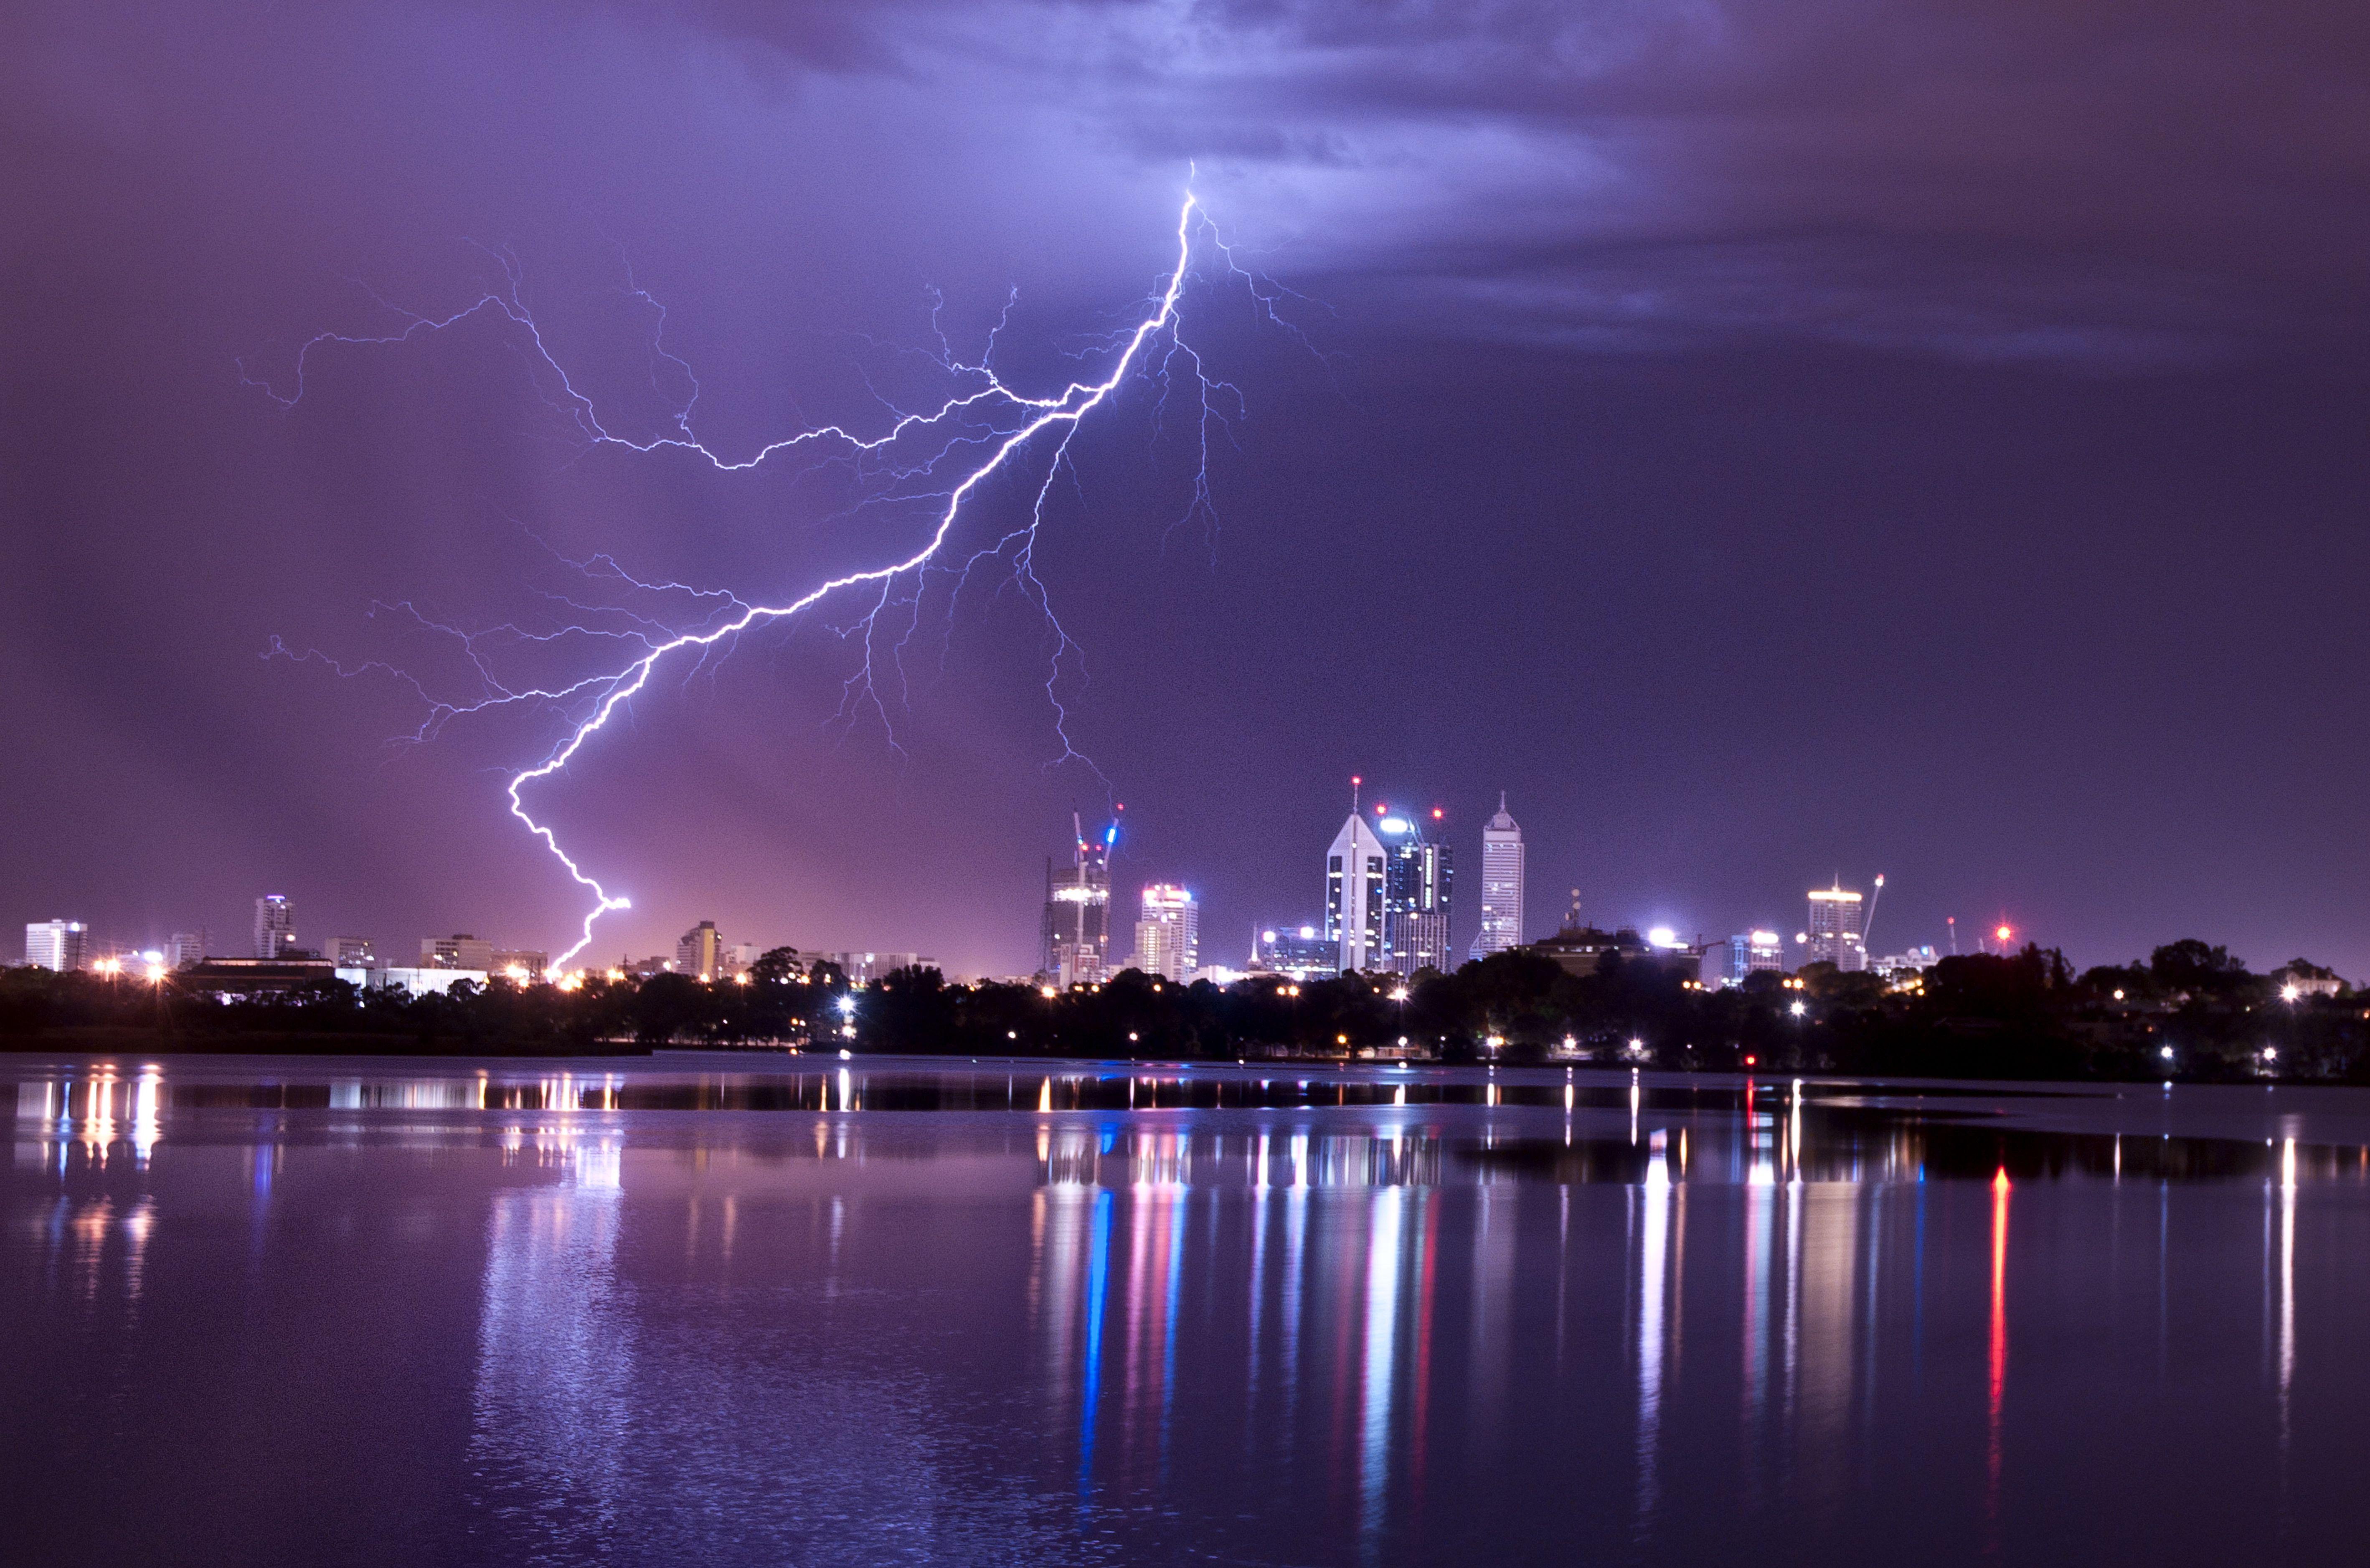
(1407, 857)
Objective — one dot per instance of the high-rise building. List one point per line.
(700, 953)
(1729, 963)
(61, 945)
(460, 951)
(1356, 903)
(1168, 932)
(1077, 910)
(183, 948)
(1501, 883)
(353, 952)
(1416, 884)
(1834, 935)
(275, 927)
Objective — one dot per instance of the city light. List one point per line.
(1662, 936)
(1799, 1008)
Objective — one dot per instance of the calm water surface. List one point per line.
(260, 1310)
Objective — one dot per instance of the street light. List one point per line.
(1799, 1008)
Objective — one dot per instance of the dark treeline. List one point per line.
(2025, 1016)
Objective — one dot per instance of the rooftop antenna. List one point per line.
(1355, 782)
(1952, 921)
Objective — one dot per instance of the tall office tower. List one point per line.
(275, 927)
(1077, 910)
(1745, 953)
(1415, 895)
(1168, 933)
(1501, 884)
(460, 951)
(183, 948)
(1834, 935)
(61, 945)
(353, 952)
(1355, 903)
(700, 953)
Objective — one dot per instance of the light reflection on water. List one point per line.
(660, 1315)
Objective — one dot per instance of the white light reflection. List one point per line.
(1655, 1196)
(1382, 1246)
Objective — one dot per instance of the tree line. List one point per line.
(2189, 1010)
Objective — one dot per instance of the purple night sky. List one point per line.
(1768, 440)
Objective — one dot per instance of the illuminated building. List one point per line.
(353, 952)
(1303, 952)
(1168, 932)
(1895, 967)
(61, 945)
(235, 977)
(1742, 955)
(863, 968)
(1501, 884)
(1415, 896)
(1355, 902)
(1835, 926)
(422, 982)
(1077, 910)
(699, 952)
(275, 927)
(183, 948)
(519, 965)
(460, 951)
(1584, 950)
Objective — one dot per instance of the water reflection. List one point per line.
(552, 1403)
(1703, 1320)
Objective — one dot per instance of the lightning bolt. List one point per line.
(986, 428)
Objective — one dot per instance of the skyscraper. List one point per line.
(1834, 935)
(1355, 901)
(275, 927)
(1501, 884)
(1415, 895)
(1077, 910)
(1168, 932)
(61, 945)
(700, 953)
(183, 948)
